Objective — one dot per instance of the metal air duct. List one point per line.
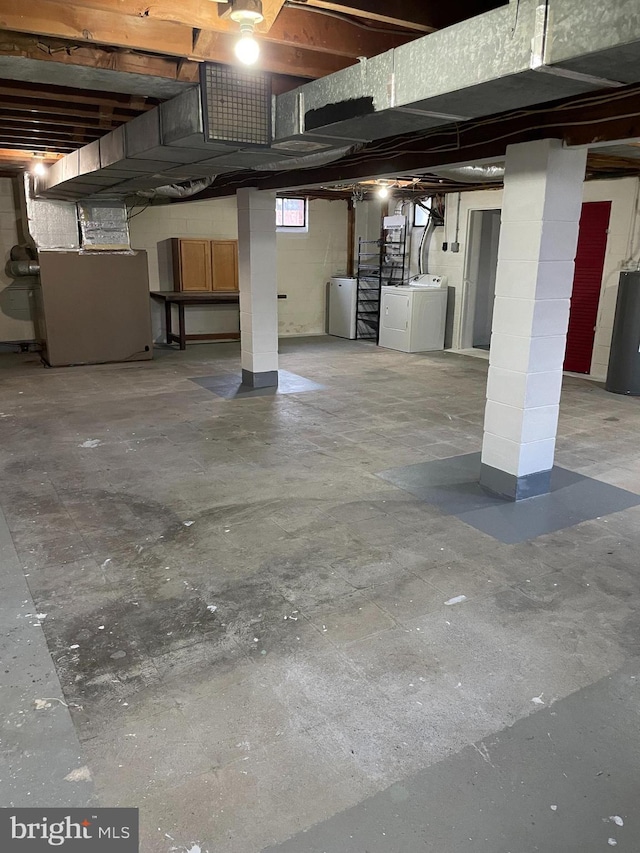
(524, 53)
(472, 174)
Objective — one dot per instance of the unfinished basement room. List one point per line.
(320, 426)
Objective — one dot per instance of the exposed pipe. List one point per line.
(425, 245)
(351, 237)
(18, 269)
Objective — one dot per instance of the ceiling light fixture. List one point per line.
(247, 13)
(38, 167)
(383, 191)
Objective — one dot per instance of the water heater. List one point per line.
(623, 375)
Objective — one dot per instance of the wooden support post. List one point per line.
(351, 236)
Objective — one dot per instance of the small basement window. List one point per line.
(292, 214)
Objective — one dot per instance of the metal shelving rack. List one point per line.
(380, 262)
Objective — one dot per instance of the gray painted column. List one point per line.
(258, 287)
(538, 237)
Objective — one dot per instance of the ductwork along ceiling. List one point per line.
(525, 53)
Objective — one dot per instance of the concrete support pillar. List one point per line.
(258, 287)
(538, 237)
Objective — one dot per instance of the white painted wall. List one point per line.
(15, 311)
(623, 243)
(305, 261)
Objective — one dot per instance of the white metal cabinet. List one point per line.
(343, 296)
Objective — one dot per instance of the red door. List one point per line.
(587, 282)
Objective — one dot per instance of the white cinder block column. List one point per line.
(538, 237)
(258, 287)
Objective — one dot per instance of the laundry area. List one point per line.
(319, 416)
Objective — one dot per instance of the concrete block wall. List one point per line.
(305, 262)
(623, 242)
(622, 245)
(15, 310)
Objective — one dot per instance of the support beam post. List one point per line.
(258, 287)
(538, 238)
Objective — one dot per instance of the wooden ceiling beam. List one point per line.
(52, 108)
(23, 117)
(271, 10)
(90, 56)
(12, 155)
(62, 136)
(60, 150)
(70, 128)
(411, 14)
(307, 29)
(295, 27)
(17, 141)
(84, 25)
(182, 70)
(418, 15)
(40, 94)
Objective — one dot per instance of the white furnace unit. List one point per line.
(413, 316)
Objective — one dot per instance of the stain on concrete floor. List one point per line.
(236, 728)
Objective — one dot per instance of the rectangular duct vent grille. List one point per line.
(236, 105)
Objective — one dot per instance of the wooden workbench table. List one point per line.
(181, 298)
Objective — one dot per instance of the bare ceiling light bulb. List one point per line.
(247, 48)
(383, 191)
(39, 168)
(247, 13)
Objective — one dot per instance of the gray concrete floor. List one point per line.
(250, 627)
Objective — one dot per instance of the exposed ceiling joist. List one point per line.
(270, 9)
(9, 123)
(19, 140)
(201, 14)
(14, 160)
(22, 117)
(50, 50)
(7, 156)
(9, 145)
(305, 51)
(132, 103)
(61, 118)
(412, 14)
(295, 27)
(53, 134)
(35, 106)
(418, 15)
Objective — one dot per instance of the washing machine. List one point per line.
(413, 316)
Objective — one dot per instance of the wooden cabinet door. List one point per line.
(195, 265)
(225, 264)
